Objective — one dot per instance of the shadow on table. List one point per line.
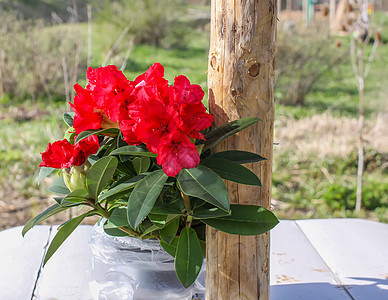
(369, 288)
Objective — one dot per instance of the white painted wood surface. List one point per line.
(67, 274)
(297, 271)
(356, 251)
(310, 259)
(20, 261)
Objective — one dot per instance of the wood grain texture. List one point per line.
(241, 81)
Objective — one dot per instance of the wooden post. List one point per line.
(241, 84)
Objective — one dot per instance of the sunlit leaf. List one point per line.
(188, 257)
(203, 183)
(62, 234)
(144, 195)
(100, 174)
(245, 220)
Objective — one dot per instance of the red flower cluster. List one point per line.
(147, 110)
(98, 105)
(62, 154)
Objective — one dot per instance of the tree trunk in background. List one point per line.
(241, 84)
(332, 16)
(340, 14)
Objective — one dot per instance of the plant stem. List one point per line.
(104, 213)
(186, 201)
(129, 231)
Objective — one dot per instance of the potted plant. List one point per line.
(139, 154)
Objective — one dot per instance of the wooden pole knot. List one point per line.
(213, 62)
(254, 69)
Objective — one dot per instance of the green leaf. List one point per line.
(170, 248)
(68, 117)
(141, 164)
(126, 168)
(217, 135)
(118, 217)
(63, 233)
(232, 171)
(156, 223)
(158, 220)
(44, 172)
(87, 133)
(80, 195)
(112, 230)
(99, 175)
(59, 187)
(245, 220)
(166, 209)
(122, 188)
(52, 210)
(168, 232)
(203, 183)
(188, 258)
(240, 157)
(169, 204)
(207, 212)
(149, 229)
(133, 150)
(106, 147)
(144, 195)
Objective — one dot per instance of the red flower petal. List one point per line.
(151, 85)
(110, 88)
(184, 92)
(193, 119)
(58, 155)
(175, 152)
(62, 154)
(154, 123)
(84, 148)
(84, 120)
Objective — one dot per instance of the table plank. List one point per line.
(297, 271)
(20, 260)
(309, 260)
(355, 250)
(67, 274)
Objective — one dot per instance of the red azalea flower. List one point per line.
(184, 92)
(110, 88)
(151, 85)
(193, 119)
(176, 152)
(84, 148)
(58, 155)
(98, 105)
(154, 123)
(148, 87)
(127, 125)
(88, 115)
(62, 154)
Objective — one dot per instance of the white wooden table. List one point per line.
(310, 259)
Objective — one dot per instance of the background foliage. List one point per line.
(315, 155)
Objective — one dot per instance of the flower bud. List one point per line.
(75, 176)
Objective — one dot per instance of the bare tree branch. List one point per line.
(116, 44)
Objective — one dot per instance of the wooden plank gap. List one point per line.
(340, 284)
(41, 263)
